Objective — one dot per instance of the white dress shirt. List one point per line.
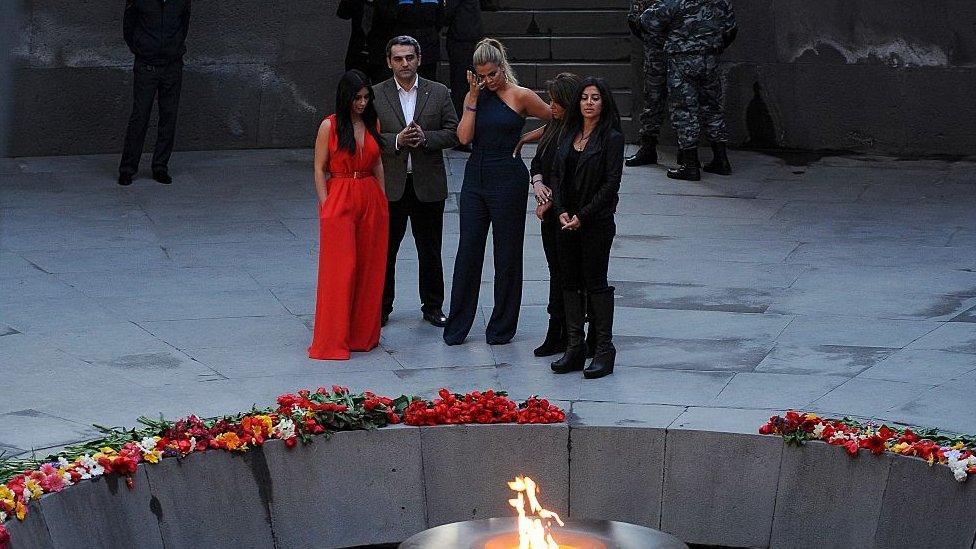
(408, 102)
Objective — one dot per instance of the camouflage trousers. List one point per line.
(655, 93)
(695, 93)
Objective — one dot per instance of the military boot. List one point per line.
(646, 153)
(720, 161)
(688, 169)
(602, 323)
(574, 359)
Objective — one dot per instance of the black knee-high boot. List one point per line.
(574, 359)
(601, 322)
(555, 339)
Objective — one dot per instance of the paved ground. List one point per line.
(847, 285)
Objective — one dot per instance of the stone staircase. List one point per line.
(587, 37)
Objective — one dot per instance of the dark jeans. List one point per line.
(160, 83)
(427, 225)
(459, 54)
(584, 255)
(499, 205)
(550, 245)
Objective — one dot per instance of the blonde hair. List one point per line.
(490, 50)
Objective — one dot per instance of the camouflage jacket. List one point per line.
(688, 26)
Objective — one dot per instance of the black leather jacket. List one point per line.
(155, 30)
(596, 182)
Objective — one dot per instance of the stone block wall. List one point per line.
(894, 77)
(258, 75)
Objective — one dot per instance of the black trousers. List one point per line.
(500, 205)
(428, 71)
(459, 54)
(550, 245)
(427, 225)
(584, 255)
(152, 83)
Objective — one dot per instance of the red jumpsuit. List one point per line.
(354, 224)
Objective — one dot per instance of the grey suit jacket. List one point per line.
(435, 114)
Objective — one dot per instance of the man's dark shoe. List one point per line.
(688, 169)
(162, 176)
(720, 161)
(384, 319)
(125, 179)
(646, 154)
(436, 317)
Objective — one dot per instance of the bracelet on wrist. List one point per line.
(472, 109)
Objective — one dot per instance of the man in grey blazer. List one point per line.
(418, 121)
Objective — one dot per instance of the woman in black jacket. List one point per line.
(585, 183)
(562, 98)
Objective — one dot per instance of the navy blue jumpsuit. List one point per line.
(494, 192)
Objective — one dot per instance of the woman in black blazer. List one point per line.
(585, 183)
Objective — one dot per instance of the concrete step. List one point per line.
(627, 123)
(523, 49)
(562, 23)
(532, 5)
(622, 97)
(534, 75)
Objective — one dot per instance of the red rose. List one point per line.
(4, 537)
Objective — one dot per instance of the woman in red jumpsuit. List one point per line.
(353, 219)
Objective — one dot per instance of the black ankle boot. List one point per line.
(555, 339)
(688, 169)
(720, 160)
(646, 153)
(574, 359)
(601, 322)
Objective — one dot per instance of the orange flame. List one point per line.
(534, 526)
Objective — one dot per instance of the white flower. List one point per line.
(285, 429)
(63, 463)
(66, 477)
(147, 444)
(3, 516)
(818, 430)
(959, 466)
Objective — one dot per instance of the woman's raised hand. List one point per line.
(473, 86)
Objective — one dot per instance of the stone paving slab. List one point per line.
(847, 284)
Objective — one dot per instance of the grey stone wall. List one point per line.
(894, 77)
(258, 74)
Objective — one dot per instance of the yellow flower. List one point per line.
(21, 510)
(6, 493)
(958, 446)
(901, 448)
(107, 451)
(34, 488)
(152, 457)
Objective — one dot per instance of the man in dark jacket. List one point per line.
(464, 30)
(155, 31)
(385, 19)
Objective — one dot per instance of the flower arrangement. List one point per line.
(297, 416)
(955, 452)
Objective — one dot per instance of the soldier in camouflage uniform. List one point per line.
(655, 91)
(693, 34)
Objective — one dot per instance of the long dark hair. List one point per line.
(561, 90)
(609, 116)
(349, 86)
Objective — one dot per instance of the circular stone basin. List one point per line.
(502, 533)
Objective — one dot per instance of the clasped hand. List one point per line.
(411, 136)
(569, 223)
